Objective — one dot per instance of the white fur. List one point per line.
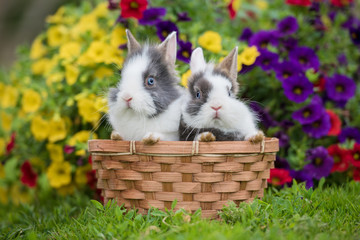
(233, 116)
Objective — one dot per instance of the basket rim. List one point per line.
(270, 145)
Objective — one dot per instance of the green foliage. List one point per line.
(292, 213)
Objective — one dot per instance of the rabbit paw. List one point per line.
(206, 137)
(115, 136)
(150, 139)
(258, 137)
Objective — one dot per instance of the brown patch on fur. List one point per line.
(115, 136)
(150, 140)
(206, 137)
(259, 137)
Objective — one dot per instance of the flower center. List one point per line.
(60, 171)
(164, 33)
(286, 75)
(318, 161)
(354, 35)
(302, 60)
(266, 62)
(275, 181)
(306, 113)
(264, 44)
(339, 88)
(134, 5)
(186, 54)
(356, 156)
(316, 124)
(336, 159)
(297, 90)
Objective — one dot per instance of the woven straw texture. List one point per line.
(199, 175)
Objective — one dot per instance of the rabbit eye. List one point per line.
(150, 81)
(198, 95)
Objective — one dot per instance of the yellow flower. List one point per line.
(71, 74)
(87, 23)
(9, 99)
(38, 49)
(4, 196)
(87, 110)
(19, 194)
(80, 174)
(39, 128)
(6, 120)
(54, 78)
(261, 4)
(40, 67)
(56, 152)
(2, 90)
(59, 174)
(239, 63)
(101, 104)
(101, 10)
(98, 51)
(118, 36)
(185, 78)
(249, 55)
(2, 171)
(31, 101)
(69, 50)
(57, 35)
(57, 130)
(81, 137)
(80, 152)
(211, 41)
(58, 17)
(102, 72)
(114, 56)
(66, 190)
(2, 151)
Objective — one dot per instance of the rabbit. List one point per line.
(210, 110)
(146, 103)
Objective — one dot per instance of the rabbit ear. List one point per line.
(197, 61)
(229, 66)
(169, 48)
(132, 44)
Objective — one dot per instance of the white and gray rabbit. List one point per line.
(146, 103)
(210, 110)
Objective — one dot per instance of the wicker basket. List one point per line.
(199, 175)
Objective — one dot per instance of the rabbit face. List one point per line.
(148, 84)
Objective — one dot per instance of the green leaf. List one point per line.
(97, 204)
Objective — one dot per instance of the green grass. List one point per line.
(292, 213)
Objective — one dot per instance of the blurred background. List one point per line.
(20, 22)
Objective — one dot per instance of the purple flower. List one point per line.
(183, 17)
(306, 57)
(246, 35)
(152, 16)
(302, 176)
(351, 22)
(320, 162)
(263, 38)
(351, 133)
(267, 60)
(309, 113)
(340, 87)
(290, 43)
(263, 115)
(287, 26)
(164, 28)
(320, 127)
(69, 149)
(246, 68)
(355, 35)
(281, 163)
(283, 138)
(286, 70)
(184, 51)
(297, 88)
(112, 4)
(342, 59)
(286, 124)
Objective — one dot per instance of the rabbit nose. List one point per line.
(127, 99)
(216, 108)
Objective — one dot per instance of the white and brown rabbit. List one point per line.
(210, 110)
(146, 103)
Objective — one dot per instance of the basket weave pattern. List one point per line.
(198, 175)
